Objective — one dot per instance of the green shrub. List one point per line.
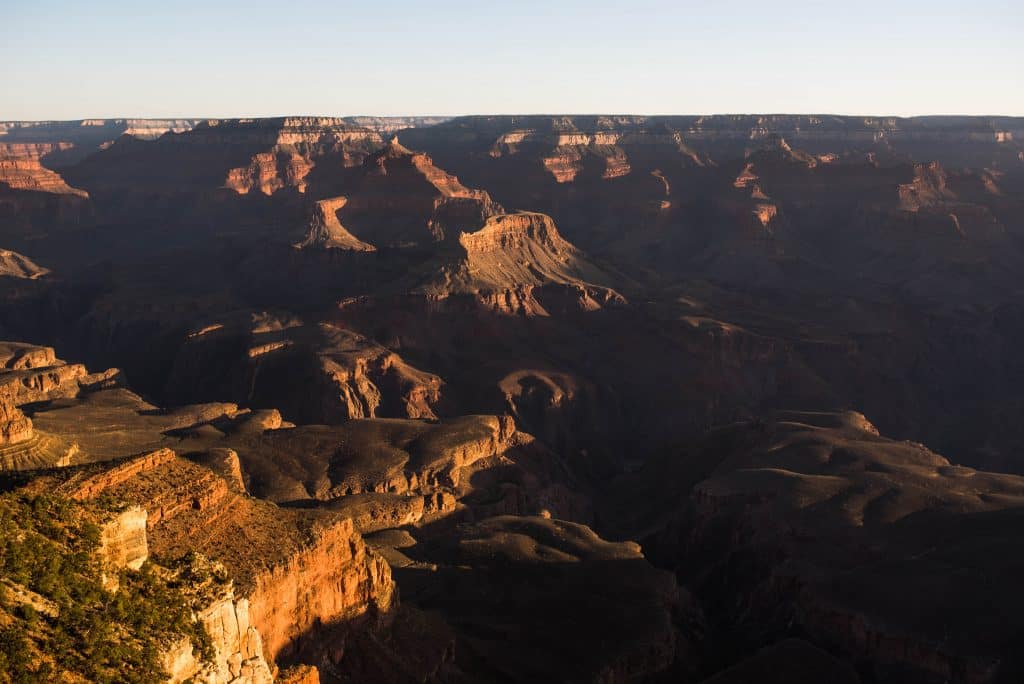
(48, 545)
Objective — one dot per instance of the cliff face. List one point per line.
(21, 169)
(296, 146)
(238, 649)
(720, 135)
(328, 584)
(299, 576)
(422, 202)
(326, 231)
(29, 374)
(14, 425)
(33, 197)
(123, 543)
(512, 259)
(238, 656)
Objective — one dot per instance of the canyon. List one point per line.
(526, 398)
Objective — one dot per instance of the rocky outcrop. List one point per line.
(238, 648)
(325, 230)
(513, 258)
(91, 484)
(29, 374)
(327, 584)
(123, 544)
(928, 187)
(15, 427)
(374, 382)
(14, 265)
(423, 203)
(302, 574)
(299, 674)
(403, 457)
(21, 168)
(323, 373)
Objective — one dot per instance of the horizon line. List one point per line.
(510, 114)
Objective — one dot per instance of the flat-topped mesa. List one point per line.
(382, 456)
(14, 265)
(30, 373)
(511, 258)
(325, 230)
(518, 231)
(391, 124)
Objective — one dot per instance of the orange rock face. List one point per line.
(326, 231)
(21, 169)
(301, 575)
(334, 580)
(14, 426)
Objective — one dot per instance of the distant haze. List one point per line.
(66, 59)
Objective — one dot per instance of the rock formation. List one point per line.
(21, 169)
(858, 532)
(296, 575)
(326, 231)
(14, 265)
(473, 344)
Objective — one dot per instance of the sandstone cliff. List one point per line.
(21, 168)
(303, 574)
(326, 231)
(238, 649)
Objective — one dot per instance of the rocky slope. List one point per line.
(813, 525)
(14, 265)
(313, 373)
(302, 586)
(511, 256)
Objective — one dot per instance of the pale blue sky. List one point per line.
(66, 59)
